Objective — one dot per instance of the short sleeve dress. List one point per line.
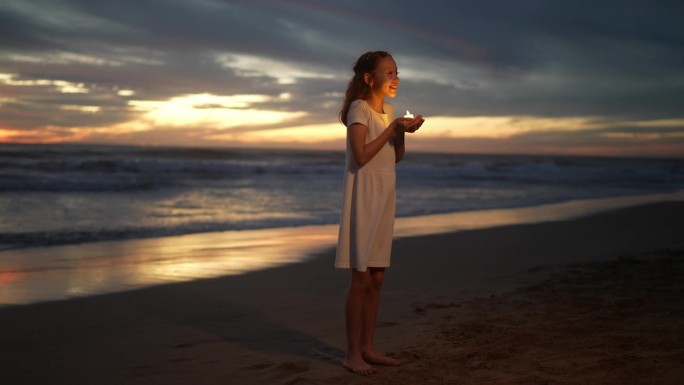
(368, 205)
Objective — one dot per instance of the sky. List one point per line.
(599, 78)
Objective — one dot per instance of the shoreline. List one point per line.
(285, 324)
(436, 222)
(35, 275)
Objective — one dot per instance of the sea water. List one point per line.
(186, 214)
(69, 194)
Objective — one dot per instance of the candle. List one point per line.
(408, 115)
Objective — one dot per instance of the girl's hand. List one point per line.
(409, 125)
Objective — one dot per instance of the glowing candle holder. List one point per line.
(408, 115)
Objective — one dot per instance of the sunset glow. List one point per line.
(219, 77)
(209, 111)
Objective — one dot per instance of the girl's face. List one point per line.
(385, 78)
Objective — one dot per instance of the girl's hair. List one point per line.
(357, 88)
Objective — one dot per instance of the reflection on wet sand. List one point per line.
(471, 220)
(51, 273)
(40, 274)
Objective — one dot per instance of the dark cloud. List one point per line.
(613, 59)
(18, 33)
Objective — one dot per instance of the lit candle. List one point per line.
(408, 115)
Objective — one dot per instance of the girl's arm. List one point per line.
(363, 152)
(399, 147)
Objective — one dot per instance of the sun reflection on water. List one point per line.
(51, 273)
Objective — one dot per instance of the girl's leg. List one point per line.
(371, 304)
(359, 285)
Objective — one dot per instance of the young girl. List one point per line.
(375, 142)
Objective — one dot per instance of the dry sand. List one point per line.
(595, 300)
(617, 322)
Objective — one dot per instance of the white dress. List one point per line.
(368, 206)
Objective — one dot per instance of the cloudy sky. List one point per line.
(601, 77)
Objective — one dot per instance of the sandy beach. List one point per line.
(594, 300)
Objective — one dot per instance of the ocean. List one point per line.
(190, 213)
(68, 194)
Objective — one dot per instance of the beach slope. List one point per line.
(589, 300)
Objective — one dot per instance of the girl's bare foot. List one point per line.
(358, 366)
(373, 357)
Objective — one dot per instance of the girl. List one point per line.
(375, 142)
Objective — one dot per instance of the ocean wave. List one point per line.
(65, 194)
(139, 169)
(21, 240)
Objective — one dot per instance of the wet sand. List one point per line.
(589, 300)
